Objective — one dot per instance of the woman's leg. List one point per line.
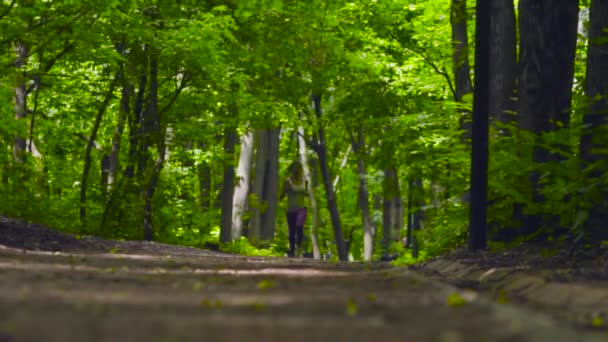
(299, 225)
(291, 224)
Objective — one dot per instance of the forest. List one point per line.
(176, 120)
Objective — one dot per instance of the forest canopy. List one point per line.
(176, 121)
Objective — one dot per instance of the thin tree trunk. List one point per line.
(91, 143)
(230, 140)
(329, 190)
(302, 148)
(20, 98)
(342, 165)
(479, 153)
(127, 92)
(358, 146)
(241, 191)
(157, 136)
(418, 200)
(410, 214)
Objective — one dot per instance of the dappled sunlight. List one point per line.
(300, 272)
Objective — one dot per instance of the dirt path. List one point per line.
(154, 292)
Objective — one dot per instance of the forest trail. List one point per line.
(141, 291)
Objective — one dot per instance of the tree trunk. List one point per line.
(156, 136)
(127, 92)
(387, 208)
(416, 214)
(241, 191)
(392, 216)
(90, 144)
(460, 59)
(593, 144)
(329, 190)
(363, 197)
(479, 153)
(230, 140)
(548, 33)
(20, 99)
(314, 227)
(503, 60)
(265, 186)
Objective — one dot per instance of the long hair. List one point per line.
(296, 171)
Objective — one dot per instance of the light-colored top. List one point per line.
(296, 195)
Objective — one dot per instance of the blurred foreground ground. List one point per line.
(55, 287)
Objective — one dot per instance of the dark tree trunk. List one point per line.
(460, 59)
(156, 136)
(204, 186)
(135, 122)
(265, 186)
(90, 145)
(329, 189)
(416, 216)
(127, 92)
(548, 33)
(503, 60)
(230, 140)
(593, 143)
(481, 105)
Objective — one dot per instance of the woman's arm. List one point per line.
(286, 188)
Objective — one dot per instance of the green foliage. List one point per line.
(244, 247)
(382, 68)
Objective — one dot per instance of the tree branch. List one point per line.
(8, 10)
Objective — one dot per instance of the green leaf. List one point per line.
(455, 300)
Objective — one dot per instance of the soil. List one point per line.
(59, 287)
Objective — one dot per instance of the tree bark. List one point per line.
(20, 98)
(329, 190)
(460, 59)
(127, 92)
(314, 227)
(479, 153)
(230, 140)
(265, 186)
(503, 61)
(416, 214)
(363, 196)
(91, 143)
(548, 34)
(595, 124)
(241, 191)
(157, 136)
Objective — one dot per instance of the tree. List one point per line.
(548, 31)
(460, 58)
(503, 60)
(241, 191)
(592, 143)
(479, 152)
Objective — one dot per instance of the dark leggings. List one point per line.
(295, 221)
